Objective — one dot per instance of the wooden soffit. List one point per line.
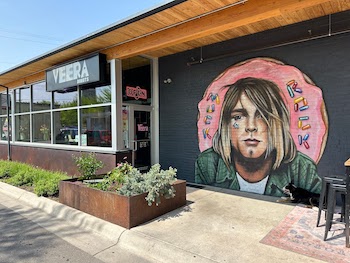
(176, 27)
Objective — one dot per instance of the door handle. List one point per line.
(134, 146)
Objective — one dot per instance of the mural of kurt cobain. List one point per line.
(261, 137)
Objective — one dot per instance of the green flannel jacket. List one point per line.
(210, 169)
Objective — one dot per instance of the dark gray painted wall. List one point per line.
(325, 60)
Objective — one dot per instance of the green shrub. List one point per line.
(22, 177)
(45, 183)
(9, 169)
(115, 178)
(4, 173)
(87, 165)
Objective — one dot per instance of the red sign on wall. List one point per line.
(136, 93)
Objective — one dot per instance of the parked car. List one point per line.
(67, 135)
(99, 137)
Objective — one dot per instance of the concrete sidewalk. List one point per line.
(216, 225)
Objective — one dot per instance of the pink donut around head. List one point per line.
(308, 116)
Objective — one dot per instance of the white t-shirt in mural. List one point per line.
(258, 187)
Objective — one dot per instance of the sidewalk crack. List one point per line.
(113, 245)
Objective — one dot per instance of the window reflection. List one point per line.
(96, 95)
(22, 128)
(4, 122)
(5, 128)
(3, 104)
(96, 127)
(65, 99)
(42, 128)
(22, 100)
(41, 98)
(66, 127)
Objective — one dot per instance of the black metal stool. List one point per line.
(344, 189)
(331, 201)
(347, 204)
(346, 218)
(326, 181)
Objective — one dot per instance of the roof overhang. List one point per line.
(175, 27)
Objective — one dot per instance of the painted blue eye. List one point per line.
(237, 117)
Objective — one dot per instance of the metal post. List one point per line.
(8, 123)
(8, 126)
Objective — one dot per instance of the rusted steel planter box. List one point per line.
(126, 211)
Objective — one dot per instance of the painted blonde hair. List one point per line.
(267, 98)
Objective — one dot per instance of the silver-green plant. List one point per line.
(159, 183)
(128, 181)
(156, 183)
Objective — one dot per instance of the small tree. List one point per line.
(87, 165)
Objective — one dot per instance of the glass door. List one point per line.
(142, 140)
(137, 134)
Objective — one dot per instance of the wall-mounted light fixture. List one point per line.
(167, 81)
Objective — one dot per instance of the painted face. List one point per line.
(249, 133)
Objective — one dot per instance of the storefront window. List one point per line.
(42, 127)
(65, 99)
(5, 124)
(79, 115)
(96, 127)
(96, 95)
(41, 98)
(3, 104)
(22, 128)
(137, 80)
(5, 128)
(22, 99)
(66, 127)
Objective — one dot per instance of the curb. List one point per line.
(63, 212)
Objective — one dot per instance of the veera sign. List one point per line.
(80, 72)
(77, 71)
(141, 127)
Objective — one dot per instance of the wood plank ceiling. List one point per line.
(176, 27)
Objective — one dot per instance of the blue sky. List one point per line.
(31, 28)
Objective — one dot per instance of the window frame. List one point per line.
(52, 110)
